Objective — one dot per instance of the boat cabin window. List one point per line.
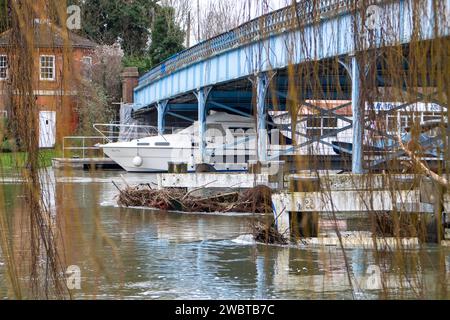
(213, 129)
(162, 144)
(240, 128)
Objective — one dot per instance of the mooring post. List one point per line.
(439, 213)
(358, 119)
(162, 109)
(262, 85)
(202, 97)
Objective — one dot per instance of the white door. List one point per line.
(47, 129)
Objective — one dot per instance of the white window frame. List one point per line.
(87, 67)
(323, 129)
(53, 68)
(6, 67)
(87, 58)
(402, 119)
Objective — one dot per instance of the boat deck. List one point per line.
(84, 163)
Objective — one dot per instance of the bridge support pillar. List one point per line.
(162, 109)
(262, 85)
(202, 97)
(358, 118)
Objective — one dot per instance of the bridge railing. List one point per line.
(262, 27)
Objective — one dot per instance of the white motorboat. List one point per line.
(230, 144)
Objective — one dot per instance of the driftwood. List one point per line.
(256, 200)
(267, 234)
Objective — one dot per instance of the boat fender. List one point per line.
(137, 161)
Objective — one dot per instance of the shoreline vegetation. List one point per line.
(14, 160)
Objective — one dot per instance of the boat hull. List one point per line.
(153, 159)
(156, 160)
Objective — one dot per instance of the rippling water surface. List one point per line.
(142, 254)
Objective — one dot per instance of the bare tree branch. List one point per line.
(435, 177)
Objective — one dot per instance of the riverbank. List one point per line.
(14, 160)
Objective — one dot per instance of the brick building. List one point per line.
(61, 58)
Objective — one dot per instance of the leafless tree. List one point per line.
(106, 70)
(183, 15)
(203, 19)
(219, 16)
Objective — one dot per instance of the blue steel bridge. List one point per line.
(245, 71)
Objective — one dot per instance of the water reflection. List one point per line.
(141, 254)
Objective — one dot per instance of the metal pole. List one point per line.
(202, 96)
(84, 146)
(162, 108)
(358, 119)
(261, 90)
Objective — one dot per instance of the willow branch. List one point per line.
(435, 177)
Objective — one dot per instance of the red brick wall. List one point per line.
(130, 80)
(68, 70)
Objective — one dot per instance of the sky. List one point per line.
(258, 7)
(272, 4)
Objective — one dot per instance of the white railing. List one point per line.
(123, 133)
(83, 146)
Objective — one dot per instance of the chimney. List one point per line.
(130, 80)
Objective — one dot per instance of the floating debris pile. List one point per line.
(255, 200)
(267, 234)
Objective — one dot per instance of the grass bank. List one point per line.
(18, 159)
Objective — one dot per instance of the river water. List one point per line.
(141, 254)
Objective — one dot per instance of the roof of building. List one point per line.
(47, 35)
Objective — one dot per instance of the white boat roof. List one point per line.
(223, 117)
(226, 119)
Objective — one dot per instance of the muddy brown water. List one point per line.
(143, 254)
